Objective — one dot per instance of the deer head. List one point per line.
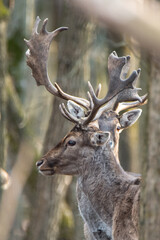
(122, 94)
(71, 154)
(81, 143)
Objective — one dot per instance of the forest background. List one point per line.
(34, 207)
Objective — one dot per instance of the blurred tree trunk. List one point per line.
(14, 78)
(3, 28)
(150, 197)
(47, 209)
(133, 132)
(2, 89)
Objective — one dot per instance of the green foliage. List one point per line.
(32, 180)
(66, 225)
(4, 12)
(16, 52)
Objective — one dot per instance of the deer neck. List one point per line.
(105, 164)
(104, 181)
(109, 118)
(116, 151)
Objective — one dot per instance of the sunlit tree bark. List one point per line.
(150, 197)
(3, 43)
(2, 86)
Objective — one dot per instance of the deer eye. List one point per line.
(111, 143)
(71, 142)
(118, 128)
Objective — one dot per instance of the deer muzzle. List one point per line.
(45, 168)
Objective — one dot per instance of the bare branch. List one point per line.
(127, 16)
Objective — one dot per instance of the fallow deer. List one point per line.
(95, 228)
(88, 151)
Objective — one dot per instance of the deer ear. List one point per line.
(99, 138)
(127, 119)
(75, 109)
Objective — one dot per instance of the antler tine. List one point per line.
(90, 99)
(37, 56)
(117, 105)
(95, 104)
(125, 68)
(44, 30)
(81, 101)
(68, 115)
(128, 105)
(63, 113)
(35, 28)
(98, 90)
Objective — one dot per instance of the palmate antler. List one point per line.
(127, 98)
(37, 56)
(120, 90)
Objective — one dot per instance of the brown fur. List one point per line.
(110, 190)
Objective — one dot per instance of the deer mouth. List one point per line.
(47, 172)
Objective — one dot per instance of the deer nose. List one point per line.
(39, 163)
